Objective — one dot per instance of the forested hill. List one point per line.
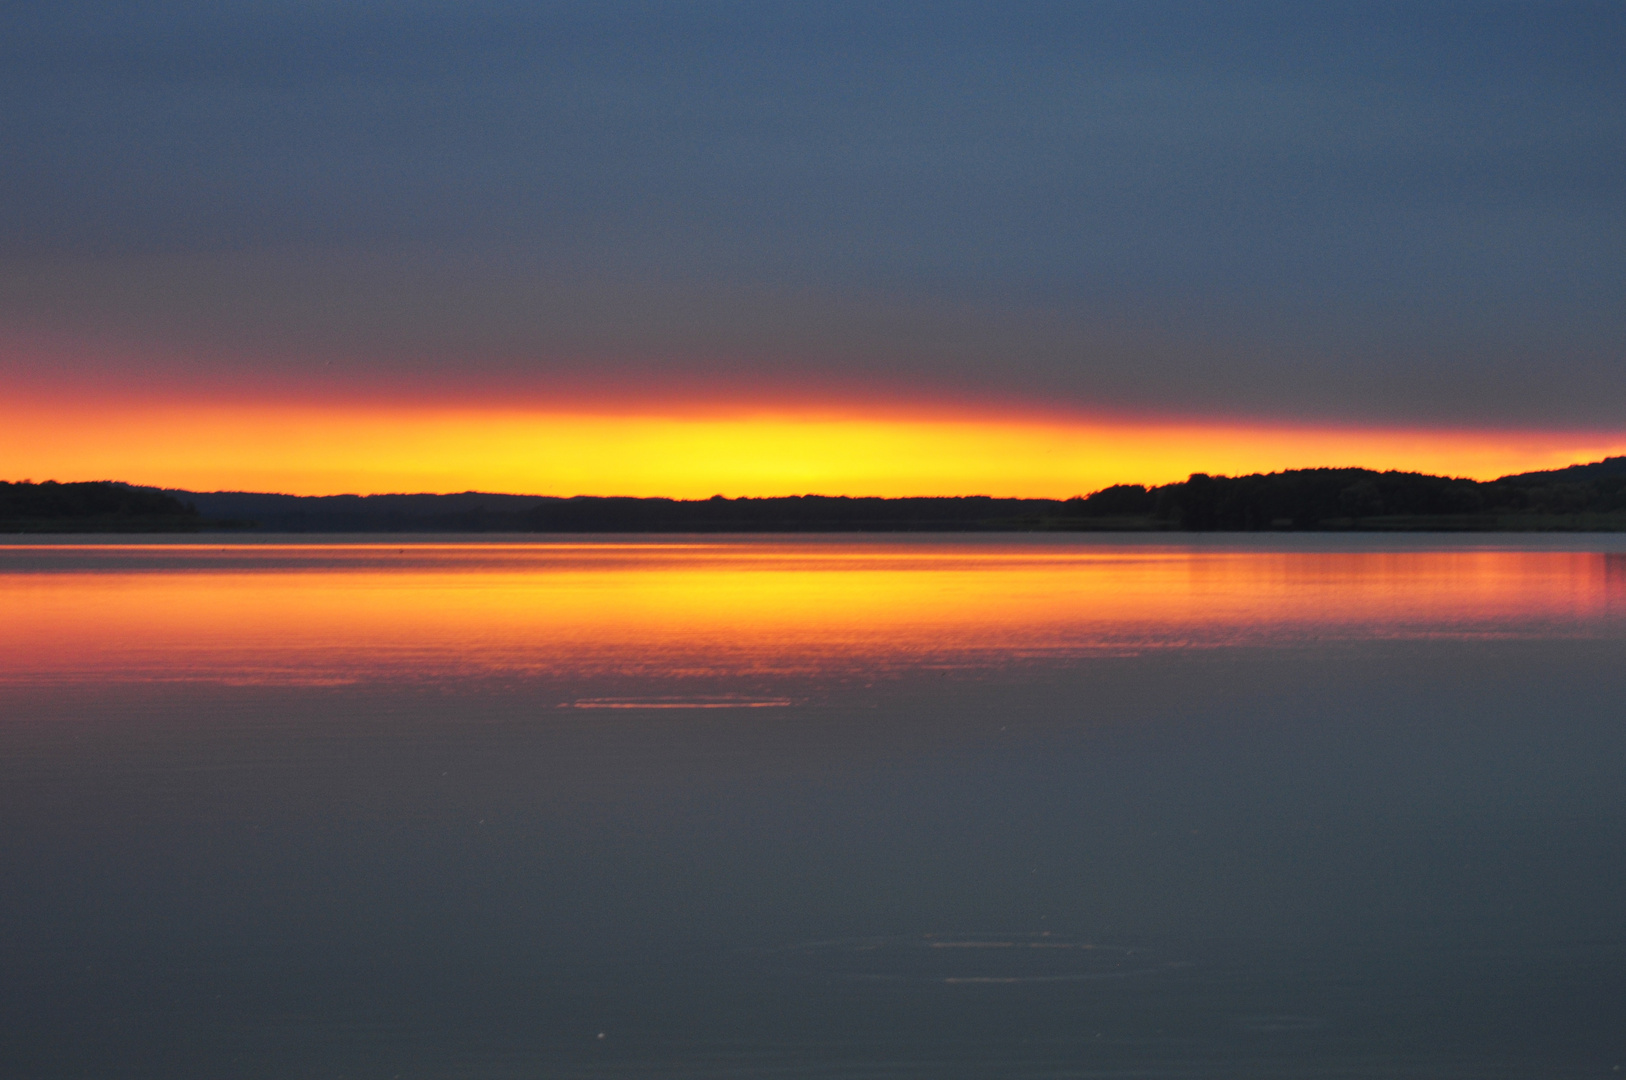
(97, 506)
(1582, 497)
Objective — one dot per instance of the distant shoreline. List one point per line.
(1581, 498)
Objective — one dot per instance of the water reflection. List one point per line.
(923, 808)
(317, 614)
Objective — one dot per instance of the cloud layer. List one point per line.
(1369, 214)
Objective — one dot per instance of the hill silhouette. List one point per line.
(1582, 497)
(93, 506)
(1589, 496)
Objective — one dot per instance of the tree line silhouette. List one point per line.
(1579, 497)
(1363, 498)
(94, 506)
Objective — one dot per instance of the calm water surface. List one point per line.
(839, 807)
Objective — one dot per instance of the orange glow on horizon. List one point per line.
(313, 450)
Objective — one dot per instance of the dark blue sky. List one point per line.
(1379, 213)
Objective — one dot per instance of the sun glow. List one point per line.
(309, 450)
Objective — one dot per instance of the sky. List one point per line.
(756, 249)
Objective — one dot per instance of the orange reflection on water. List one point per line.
(337, 613)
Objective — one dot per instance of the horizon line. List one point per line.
(168, 490)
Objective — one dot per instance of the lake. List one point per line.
(877, 806)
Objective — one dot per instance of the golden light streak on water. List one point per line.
(314, 613)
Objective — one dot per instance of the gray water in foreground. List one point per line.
(1293, 807)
